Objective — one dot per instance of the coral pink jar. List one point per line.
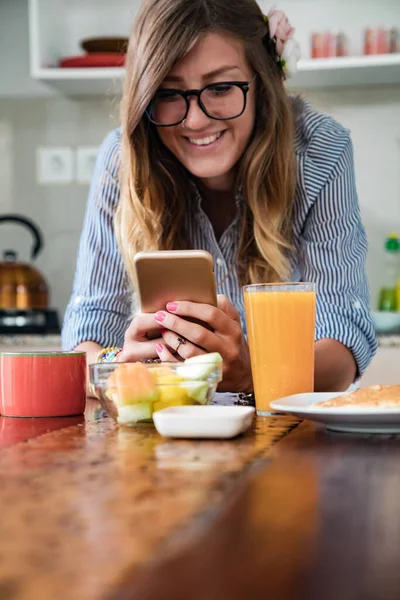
(42, 384)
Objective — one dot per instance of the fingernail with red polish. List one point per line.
(159, 348)
(172, 306)
(160, 316)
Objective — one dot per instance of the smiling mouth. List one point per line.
(207, 140)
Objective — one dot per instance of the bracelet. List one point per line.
(108, 354)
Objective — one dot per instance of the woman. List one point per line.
(258, 179)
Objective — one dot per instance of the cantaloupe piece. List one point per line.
(131, 414)
(162, 371)
(197, 390)
(199, 367)
(134, 383)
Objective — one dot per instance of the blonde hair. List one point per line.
(154, 184)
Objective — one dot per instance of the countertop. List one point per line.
(84, 504)
(287, 511)
(38, 341)
(389, 341)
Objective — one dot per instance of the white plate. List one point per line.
(218, 422)
(374, 420)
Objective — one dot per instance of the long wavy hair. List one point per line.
(154, 184)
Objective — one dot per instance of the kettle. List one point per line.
(22, 287)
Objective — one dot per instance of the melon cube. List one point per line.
(133, 383)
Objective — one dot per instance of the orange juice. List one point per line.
(281, 328)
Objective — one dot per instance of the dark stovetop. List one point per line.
(38, 321)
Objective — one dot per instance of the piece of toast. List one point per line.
(374, 396)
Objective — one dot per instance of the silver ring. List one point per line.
(180, 342)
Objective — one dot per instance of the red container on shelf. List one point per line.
(341, 45)
(383, 40)
(317, 45)
(328, 44)
(380, 40)
(370, 42)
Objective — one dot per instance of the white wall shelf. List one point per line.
(312, 74)
(83, 81)
(348, 71)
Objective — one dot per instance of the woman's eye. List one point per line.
(221, 89)
(167, 95)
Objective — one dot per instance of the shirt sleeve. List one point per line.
(333, 249)
(100, 305)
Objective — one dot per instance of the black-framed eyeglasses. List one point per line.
(220, 101)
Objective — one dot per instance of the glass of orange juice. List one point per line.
(280, 320)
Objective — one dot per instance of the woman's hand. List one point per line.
(182, 339)
(137, 346)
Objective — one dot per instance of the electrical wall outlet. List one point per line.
(55, 165)
(86, 157)
(64, 165)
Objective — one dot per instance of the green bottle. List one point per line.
(388, 293)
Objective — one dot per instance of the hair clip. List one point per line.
(281, 34)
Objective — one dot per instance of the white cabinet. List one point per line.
(58, 26)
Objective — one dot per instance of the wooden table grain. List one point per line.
(91, 511)
(321, 521)
(84, 502)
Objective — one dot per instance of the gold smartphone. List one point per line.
(168, 275)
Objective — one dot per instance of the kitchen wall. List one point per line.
(25, 125)
(31, 116)
(372, 115)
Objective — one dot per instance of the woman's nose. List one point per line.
(196, 117)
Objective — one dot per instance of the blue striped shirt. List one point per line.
(329, 240)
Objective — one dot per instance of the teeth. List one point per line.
(205, 141)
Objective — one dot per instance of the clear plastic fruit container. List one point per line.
(131, 392)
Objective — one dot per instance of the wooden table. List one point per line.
(286, 512)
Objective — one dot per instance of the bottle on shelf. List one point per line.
(394, 43)
(370, 41)
(398, 295)
(341, 44)
(383, 40)
(389, 294)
